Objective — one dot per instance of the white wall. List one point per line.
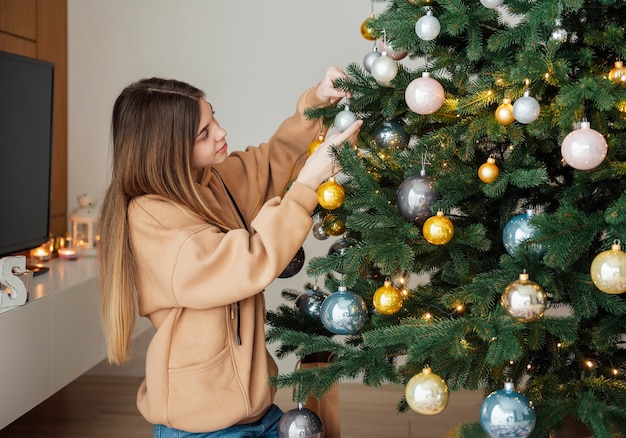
(252, 58)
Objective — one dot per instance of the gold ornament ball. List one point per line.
(427, 393)
(333, 225)
(488, 172)
(617, 75)
(524, 299)
(366, 28)
(330, 195)
(504, 113)
(388, 299)
(438, 229)
(608, 270)
(315, 144)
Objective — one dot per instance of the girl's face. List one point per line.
(210, 147)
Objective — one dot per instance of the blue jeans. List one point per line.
(266, 427)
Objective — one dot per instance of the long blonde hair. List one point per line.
(153, 129)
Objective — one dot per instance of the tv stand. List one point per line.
(52, 339)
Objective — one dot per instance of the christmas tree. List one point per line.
(480, 217)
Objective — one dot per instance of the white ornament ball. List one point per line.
(491, 4)
(344, 119)
(584, 148)
(428, 27)
(424, 95)
(526, 109)
(384, 69)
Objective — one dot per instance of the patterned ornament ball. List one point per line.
(392, 135)
(424, 95)
(524, 299)
(608, 270)
(558, 34)
(427, 393)
(369, 59)
(428, 27)
(384, 69)
(526, 109)
(504, 112)
(517, 231)
(507, 413)
(344, 119)
(344, 312)
(438, 229)
(315, 144)
(330, 195)
(488, 172)
(318, 231)
(491, 4)
(333, 226)
(584, 148)
(300, 423)
(309, 303)
(388, 299)
(366, 28)
(295, 265)
(415, 196)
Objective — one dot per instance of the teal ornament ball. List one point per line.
(507, 413)
(518, 230)
(344, 312)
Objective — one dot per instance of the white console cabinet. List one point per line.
(52, 339)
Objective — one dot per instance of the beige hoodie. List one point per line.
(207, 365)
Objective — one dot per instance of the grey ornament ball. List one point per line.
(526, 109)
(344, 119)
(300, 423)
(369, 59)
(309, 303)
(415, 196)
(319, 232)
(391, 134)
(295, 265)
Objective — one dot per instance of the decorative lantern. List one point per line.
(84, 220)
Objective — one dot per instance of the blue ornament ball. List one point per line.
(517, 230)
(507, 414)
(344, 312)
(309, 303)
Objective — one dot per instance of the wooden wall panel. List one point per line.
(17, 17)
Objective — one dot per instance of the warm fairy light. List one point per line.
(527, 82)
(559, 345)
(546, 75)
(489, 92)
(404, 291)
(428, 316)
(499, 81)
(615, 372)
(590, 364)
(511, 362)
(460, 307)
(529, 367)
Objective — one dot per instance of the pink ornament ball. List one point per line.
(390, 51)
(584, 148)
(424, 95)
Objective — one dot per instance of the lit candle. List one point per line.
(67, 253)
(40, 254)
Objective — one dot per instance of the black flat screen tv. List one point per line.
(26, 102)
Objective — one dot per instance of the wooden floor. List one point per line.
(102, 406)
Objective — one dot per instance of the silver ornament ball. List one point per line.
(369, 59)
(344, 119)
(391, 134)
(300, 423)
